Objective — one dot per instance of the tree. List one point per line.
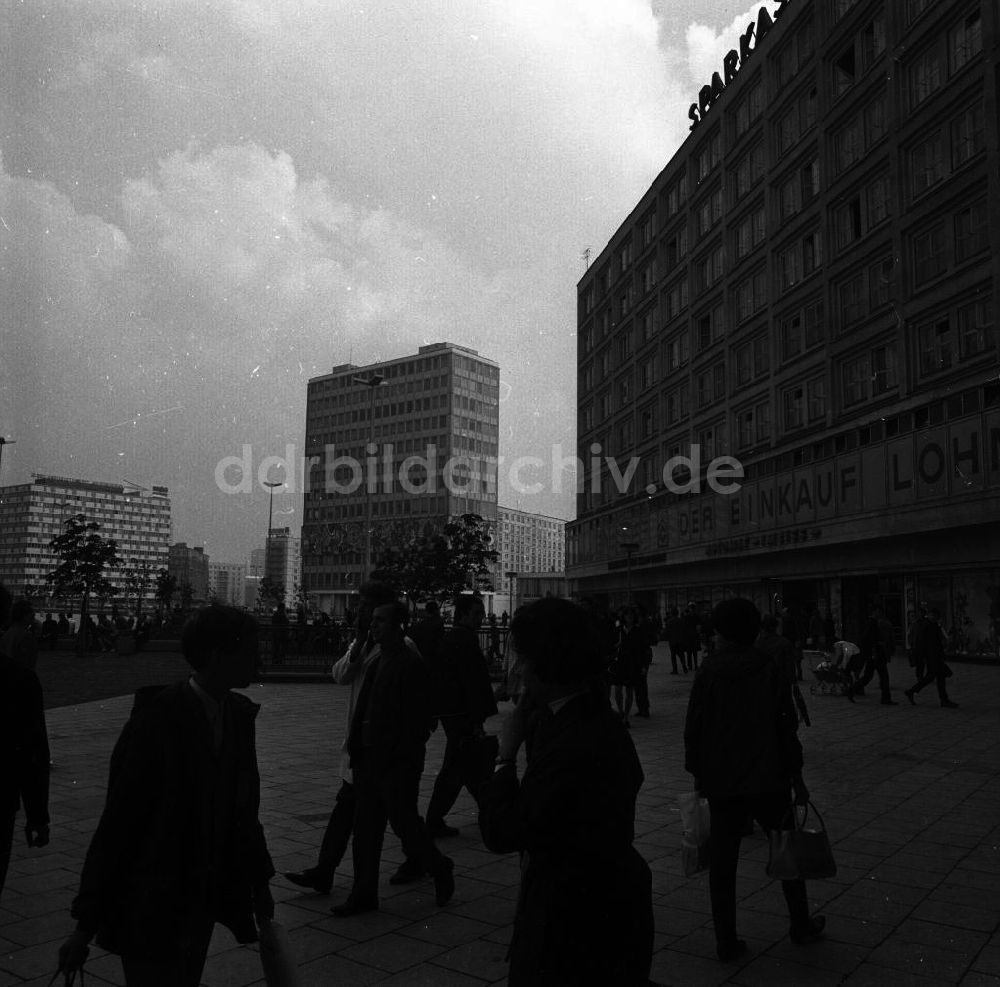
(84, 556)
(300, 596)
(138, 576)
(441, 565)
(270, 592)
(166, 586)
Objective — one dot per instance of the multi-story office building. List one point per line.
(255, 564)
(809, 287)
(32, 514)
(283, 562)
(528, 544)
(417, 449)
(189, 566)
(226, 582)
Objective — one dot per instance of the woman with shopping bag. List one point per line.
(742, 746)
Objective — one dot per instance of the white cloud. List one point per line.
(707, 47)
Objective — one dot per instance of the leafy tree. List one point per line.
(166, 586)
(270, 592)
(300, 596)
(138, 576)
(441, 565)
(84, 557)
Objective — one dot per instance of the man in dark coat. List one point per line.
(928, 651)
(584, 914)
(386, 743)
(690, 641)
(464, 701)
(428, 632)
(742, 747)
(179, 845)
(24, 753)
(876, 655)
(674, 631)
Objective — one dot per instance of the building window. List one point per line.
(749, 109)
(880, 276)
(677, 248)
(750, 233)
(848, 145)
(753, 425)
(841, 7)
(938, 346)
(648, 373)
(975, 328)
(795, 54)
(930, 253)
(678, 403)
(709, 212)
(607, 322)
(677, 352)
(709, 156)
(965, 42)
(710, 327)
(677, 195)
(605, 363)
(625, 301)
(677, 298)
(624, 345)
(914, 8)
(647, 279)
(588, 338)
(750, 360)
(587, 378)
(648, 228)
(710, 269)
(801, 330)
(869, 375)
(876, 125)
(924, 76)
(858, 214)
(647, 421)
(972, 233)
(750, 296)
(793, 406)
(967, 134)
(587, 300)
(604, 406)
(927, 163)
(816, 399)
(749, 170)
(797, 120)
(625, 257)
(648, 323)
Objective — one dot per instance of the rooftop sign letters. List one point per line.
(733, 62)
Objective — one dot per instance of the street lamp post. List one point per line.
(373, 382)
(629, 547)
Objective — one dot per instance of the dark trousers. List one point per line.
(7, 817)
(337, 834)
(675, 653)
(729, 824)
(382, 798)
(180, 965)
(642, 692)
(876, 663)
(454, 773)
(935, 673)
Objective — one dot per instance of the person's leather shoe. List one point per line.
(353, 906)
(407, 873)
(309, 879)
(948, 704)
(811, 932)
(444, 882)
(731, 951)
(441, 830)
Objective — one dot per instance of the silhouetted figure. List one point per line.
(743, 750)
(928, 647)
(19, 640)
(24, 752)
(179, 845)
(428, 632)
(463, 702)
(584, 912)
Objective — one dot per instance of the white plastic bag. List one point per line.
(697, 824)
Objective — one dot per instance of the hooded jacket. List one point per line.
(180, 834)
(740, 736)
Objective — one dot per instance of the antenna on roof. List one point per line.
(586, 258)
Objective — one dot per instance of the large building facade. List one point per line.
(190, 567)
(283, 563)
(529, 545)
(32, 514)
(416, 450)
(809, 288)
(227, 582)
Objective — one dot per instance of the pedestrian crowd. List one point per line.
(179, 846)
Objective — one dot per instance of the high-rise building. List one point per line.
(227, 582)
(283, 562)
(189, 566)
(809, 287)
(413, 439)
(255, 565)
(32, 514)
(530, 545)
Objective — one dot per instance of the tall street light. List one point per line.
(372, 383)
(629, 547)
(512, 587)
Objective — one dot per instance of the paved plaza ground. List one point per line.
(910, 796)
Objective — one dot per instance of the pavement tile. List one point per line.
(988, 961)
(771, 971)
(873, 975)
(673, 967)
(873, 909)
(858, 931)
(964, 941)
(447, 929)
(336, 969)
(977, 979)
(921, 959)
(431, 975)
(476, 959)
(962, 916)
(392, 952)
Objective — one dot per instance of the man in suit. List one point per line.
(179, 845)
(464, 701)
(387, 742)
(584, 914)
(742, 746)
(24, 752)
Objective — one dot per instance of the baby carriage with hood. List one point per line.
(834, 672)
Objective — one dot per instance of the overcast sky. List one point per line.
(202, 205)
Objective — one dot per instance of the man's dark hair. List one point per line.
(400, 612)
(769, 622)
(215, 628)
(737, 619)
(466, 602)
(559, 639)
(376, 593)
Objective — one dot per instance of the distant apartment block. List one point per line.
(226, 582)
(189, 566)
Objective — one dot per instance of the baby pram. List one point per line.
(833, 672)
